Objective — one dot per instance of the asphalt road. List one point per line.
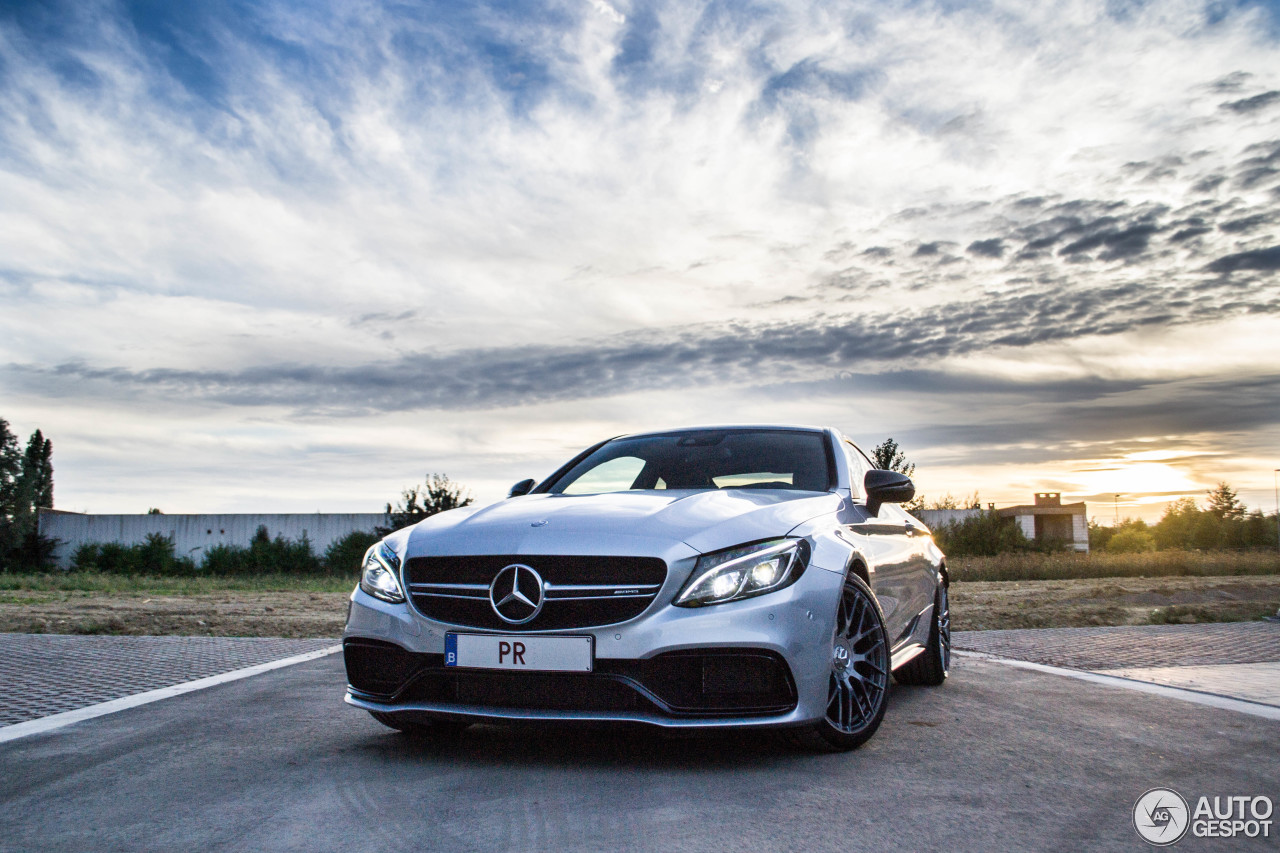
(998, 759)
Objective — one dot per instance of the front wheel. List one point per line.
(858, 683)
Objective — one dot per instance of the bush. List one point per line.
(34, 553)
(264, 555)
(345, 554)
(984, 534)
(155, 556)
(1131, 540)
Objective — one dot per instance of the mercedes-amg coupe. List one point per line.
(735, 576)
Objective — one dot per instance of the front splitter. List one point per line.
(481, 713)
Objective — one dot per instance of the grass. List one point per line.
(1022, 566)
(1019, 566)
(111, 584)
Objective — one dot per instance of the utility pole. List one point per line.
(1275, 477)
(1117, 503)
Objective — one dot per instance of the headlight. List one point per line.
(744, 572)
(379, 577)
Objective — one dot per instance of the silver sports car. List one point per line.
(759, 576)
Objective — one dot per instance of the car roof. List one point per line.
(718, 427)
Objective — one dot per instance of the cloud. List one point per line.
(336, 211)
(1267, 259)
(993, 248)
(688, 357)
(1250, 105)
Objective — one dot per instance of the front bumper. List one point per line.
(759, 662)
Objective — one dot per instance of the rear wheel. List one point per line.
(930, 667)
(858, 683)
(420, 728)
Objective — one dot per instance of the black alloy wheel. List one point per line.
(859, 678)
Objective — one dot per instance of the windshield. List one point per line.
(715, 459)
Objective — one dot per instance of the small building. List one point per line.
(1050, 520)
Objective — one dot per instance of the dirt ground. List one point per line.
(975, 606)
(220, 614)
(987, 605)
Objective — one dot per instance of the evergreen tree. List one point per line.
(10, 468)
(34, 486)
(1224, 504)
(26, 485)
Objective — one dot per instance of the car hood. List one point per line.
(619, 523)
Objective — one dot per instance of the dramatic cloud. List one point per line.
(354, 219)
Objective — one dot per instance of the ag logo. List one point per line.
(1161, 817)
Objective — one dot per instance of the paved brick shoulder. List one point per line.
(43, 674)
(1131, 646)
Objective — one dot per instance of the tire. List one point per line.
(930, 667)
(418, 728)
(858, 690)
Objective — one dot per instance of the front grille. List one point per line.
(540, 691)
(694, 683)
(581, 592)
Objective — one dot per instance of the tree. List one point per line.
(890, 458)
(1178, 525)
(1223, 503)
(26, 485)
(1136, 531)
(33, 488)
(10, 468)
(950, 501)
(1207, 533)
(436, 495)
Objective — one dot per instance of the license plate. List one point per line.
(533, 653)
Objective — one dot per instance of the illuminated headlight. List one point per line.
(744, 572)
(379, 577)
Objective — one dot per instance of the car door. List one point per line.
(891, 546)
(914, 581)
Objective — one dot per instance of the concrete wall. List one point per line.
(1028, 525)
(192, 534)
(1080, 533)
(935, 518)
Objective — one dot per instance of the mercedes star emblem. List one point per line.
(517, 594)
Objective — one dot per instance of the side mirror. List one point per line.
(887, 487)
(521, 488)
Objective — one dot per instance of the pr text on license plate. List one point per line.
(533, 653)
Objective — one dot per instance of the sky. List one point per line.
(290, 257)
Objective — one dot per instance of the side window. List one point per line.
(859, 465)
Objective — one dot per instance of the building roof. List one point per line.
(1031, 509)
